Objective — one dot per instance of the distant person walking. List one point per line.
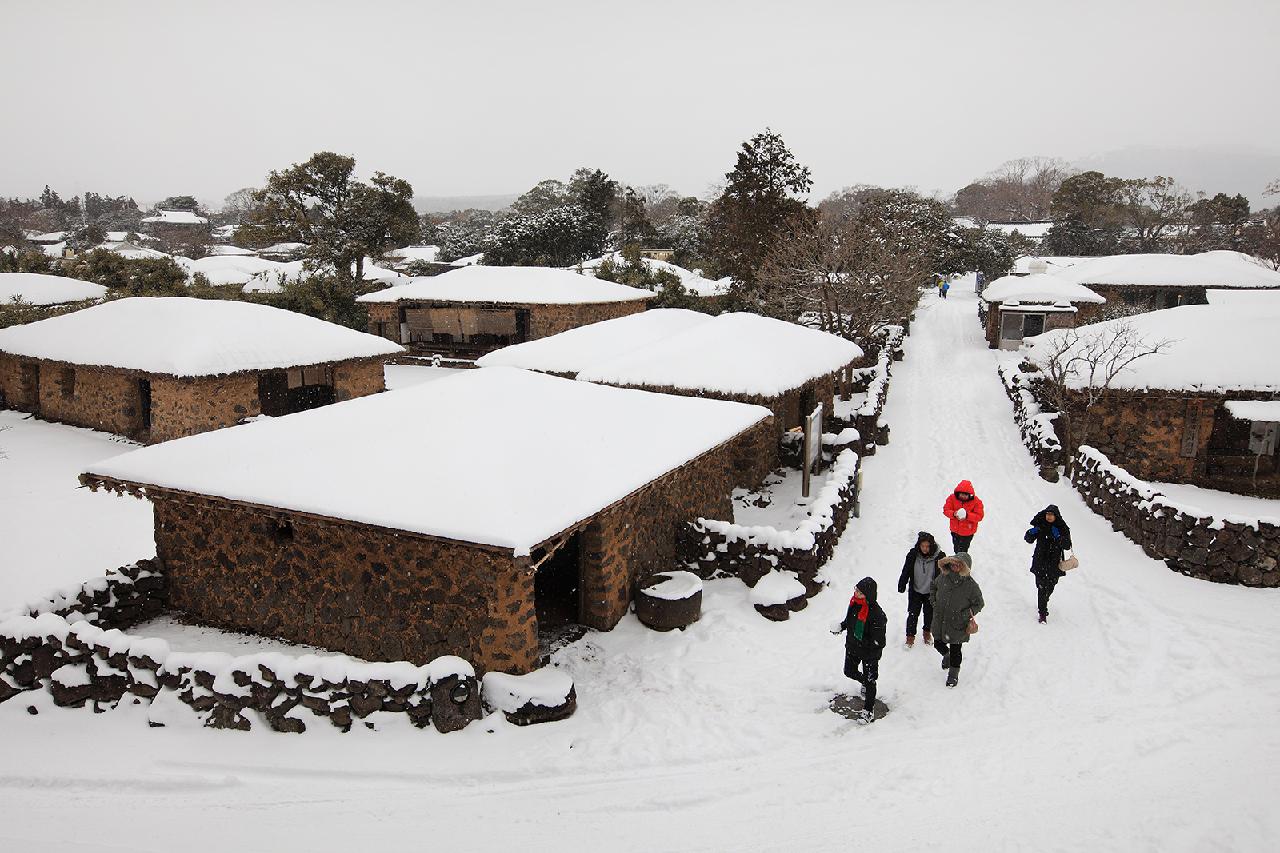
(943, 287)
(1052, 538)
(864, 626)
(956, 599)
(918, 572)
(965, 510)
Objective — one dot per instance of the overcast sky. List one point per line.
(462, 98)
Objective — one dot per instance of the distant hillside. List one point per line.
(446, 203)
(1211, 170)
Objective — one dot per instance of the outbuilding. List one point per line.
(1195, 412)
(154, 369)
(466, 516)
(473, 310)
(1023, 306)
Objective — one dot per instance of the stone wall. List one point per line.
(547, 320)
(119, 599)
(1035, 424)
(641, 534)
(384, 320)
(712, 547)
(98, 399)
(1160, 435)
(369, 592)
(1226, 550)
(187, 406)
(358, 378)
(1053, 320)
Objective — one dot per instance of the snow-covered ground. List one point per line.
(1142, 717)
(407, 375)
(1219, 504)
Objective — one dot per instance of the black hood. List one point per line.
(1040, 516)
(925, 536)
(868, 587)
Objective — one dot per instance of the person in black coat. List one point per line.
(1052, 537)
(864, 626)
(918, 571)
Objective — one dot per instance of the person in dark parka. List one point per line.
(956, 599)
(864, 626)
(918, 571)
(1052, 537)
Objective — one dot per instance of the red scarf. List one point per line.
(864, 609)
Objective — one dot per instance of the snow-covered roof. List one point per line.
(283, 249)
(517, 285)
(468, 261)
(730, 354)
(180, 336)
(36, 288)
(224, 250)
(448, 460)
(590, 345)
(1028, 263)
(47, 237)
(1266, 411)
(53, 250)
(1038, 287)
(132, 251)
(222, 270)
(415, 253)
(223, 232)
(693, 282)
(1030, 230)
(1207, 269)
(1213, 348)
(176, 217)
(1260, 298)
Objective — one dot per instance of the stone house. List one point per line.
(746, 358)
(182, 227)
(47, 291)
(1135, 284)
(154, 369)
(1175, 416)
(473, 310)
(1022, 306)
(476, 515)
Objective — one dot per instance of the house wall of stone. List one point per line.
(639, 535)
(358, 378)
(98, 399)
(369, 592)
(18, 393)
(1052, 320)
(386, 314)
(182, 406)
(1161, 436)
(547, 320)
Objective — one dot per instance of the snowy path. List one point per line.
(1145, 715)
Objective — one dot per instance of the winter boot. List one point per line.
(928, 638)
(1044, 617)
(953, 676)
(866, 716)
(911, 640)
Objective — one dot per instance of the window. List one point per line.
(1032, 325)
(67, 381)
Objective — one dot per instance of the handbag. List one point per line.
(972, 627)
(1068, 564)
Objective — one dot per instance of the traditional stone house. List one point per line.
(1134, 284)
(1174, 416)
(177, 226)
(40, 289)
(462, 516)
(746, 358)
(476, 309)
(159, 368)
(1022, 306)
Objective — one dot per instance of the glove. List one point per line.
(1057, 534)
(1031, 531)
(902, 587)
(960, 514)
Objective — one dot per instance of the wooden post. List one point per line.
(812, 446)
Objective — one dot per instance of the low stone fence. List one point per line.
(1034, 422)
(722, 548)
(71, 644)
(1226, 549)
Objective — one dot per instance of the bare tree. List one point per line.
(1079, 368)
(1019, 190)
(843, 276)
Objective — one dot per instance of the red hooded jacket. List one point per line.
(973, 512)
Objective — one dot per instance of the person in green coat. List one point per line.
(956, 599)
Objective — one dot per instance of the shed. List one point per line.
(476, 309)
(1134, 284)
(1023, 306)
(460, 516)
(159, 368)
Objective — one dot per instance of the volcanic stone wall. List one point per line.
(546, 320)
(1212, 549)
(358, 378)
(640, 534)
(95, 398)
(366, 591)
(1159, 435)
(187, 406)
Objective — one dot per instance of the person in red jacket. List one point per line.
(964, 509)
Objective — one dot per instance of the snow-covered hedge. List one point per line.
(1034, 422)
(751, 552)
(1225, 548)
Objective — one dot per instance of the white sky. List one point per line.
(463, 98)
